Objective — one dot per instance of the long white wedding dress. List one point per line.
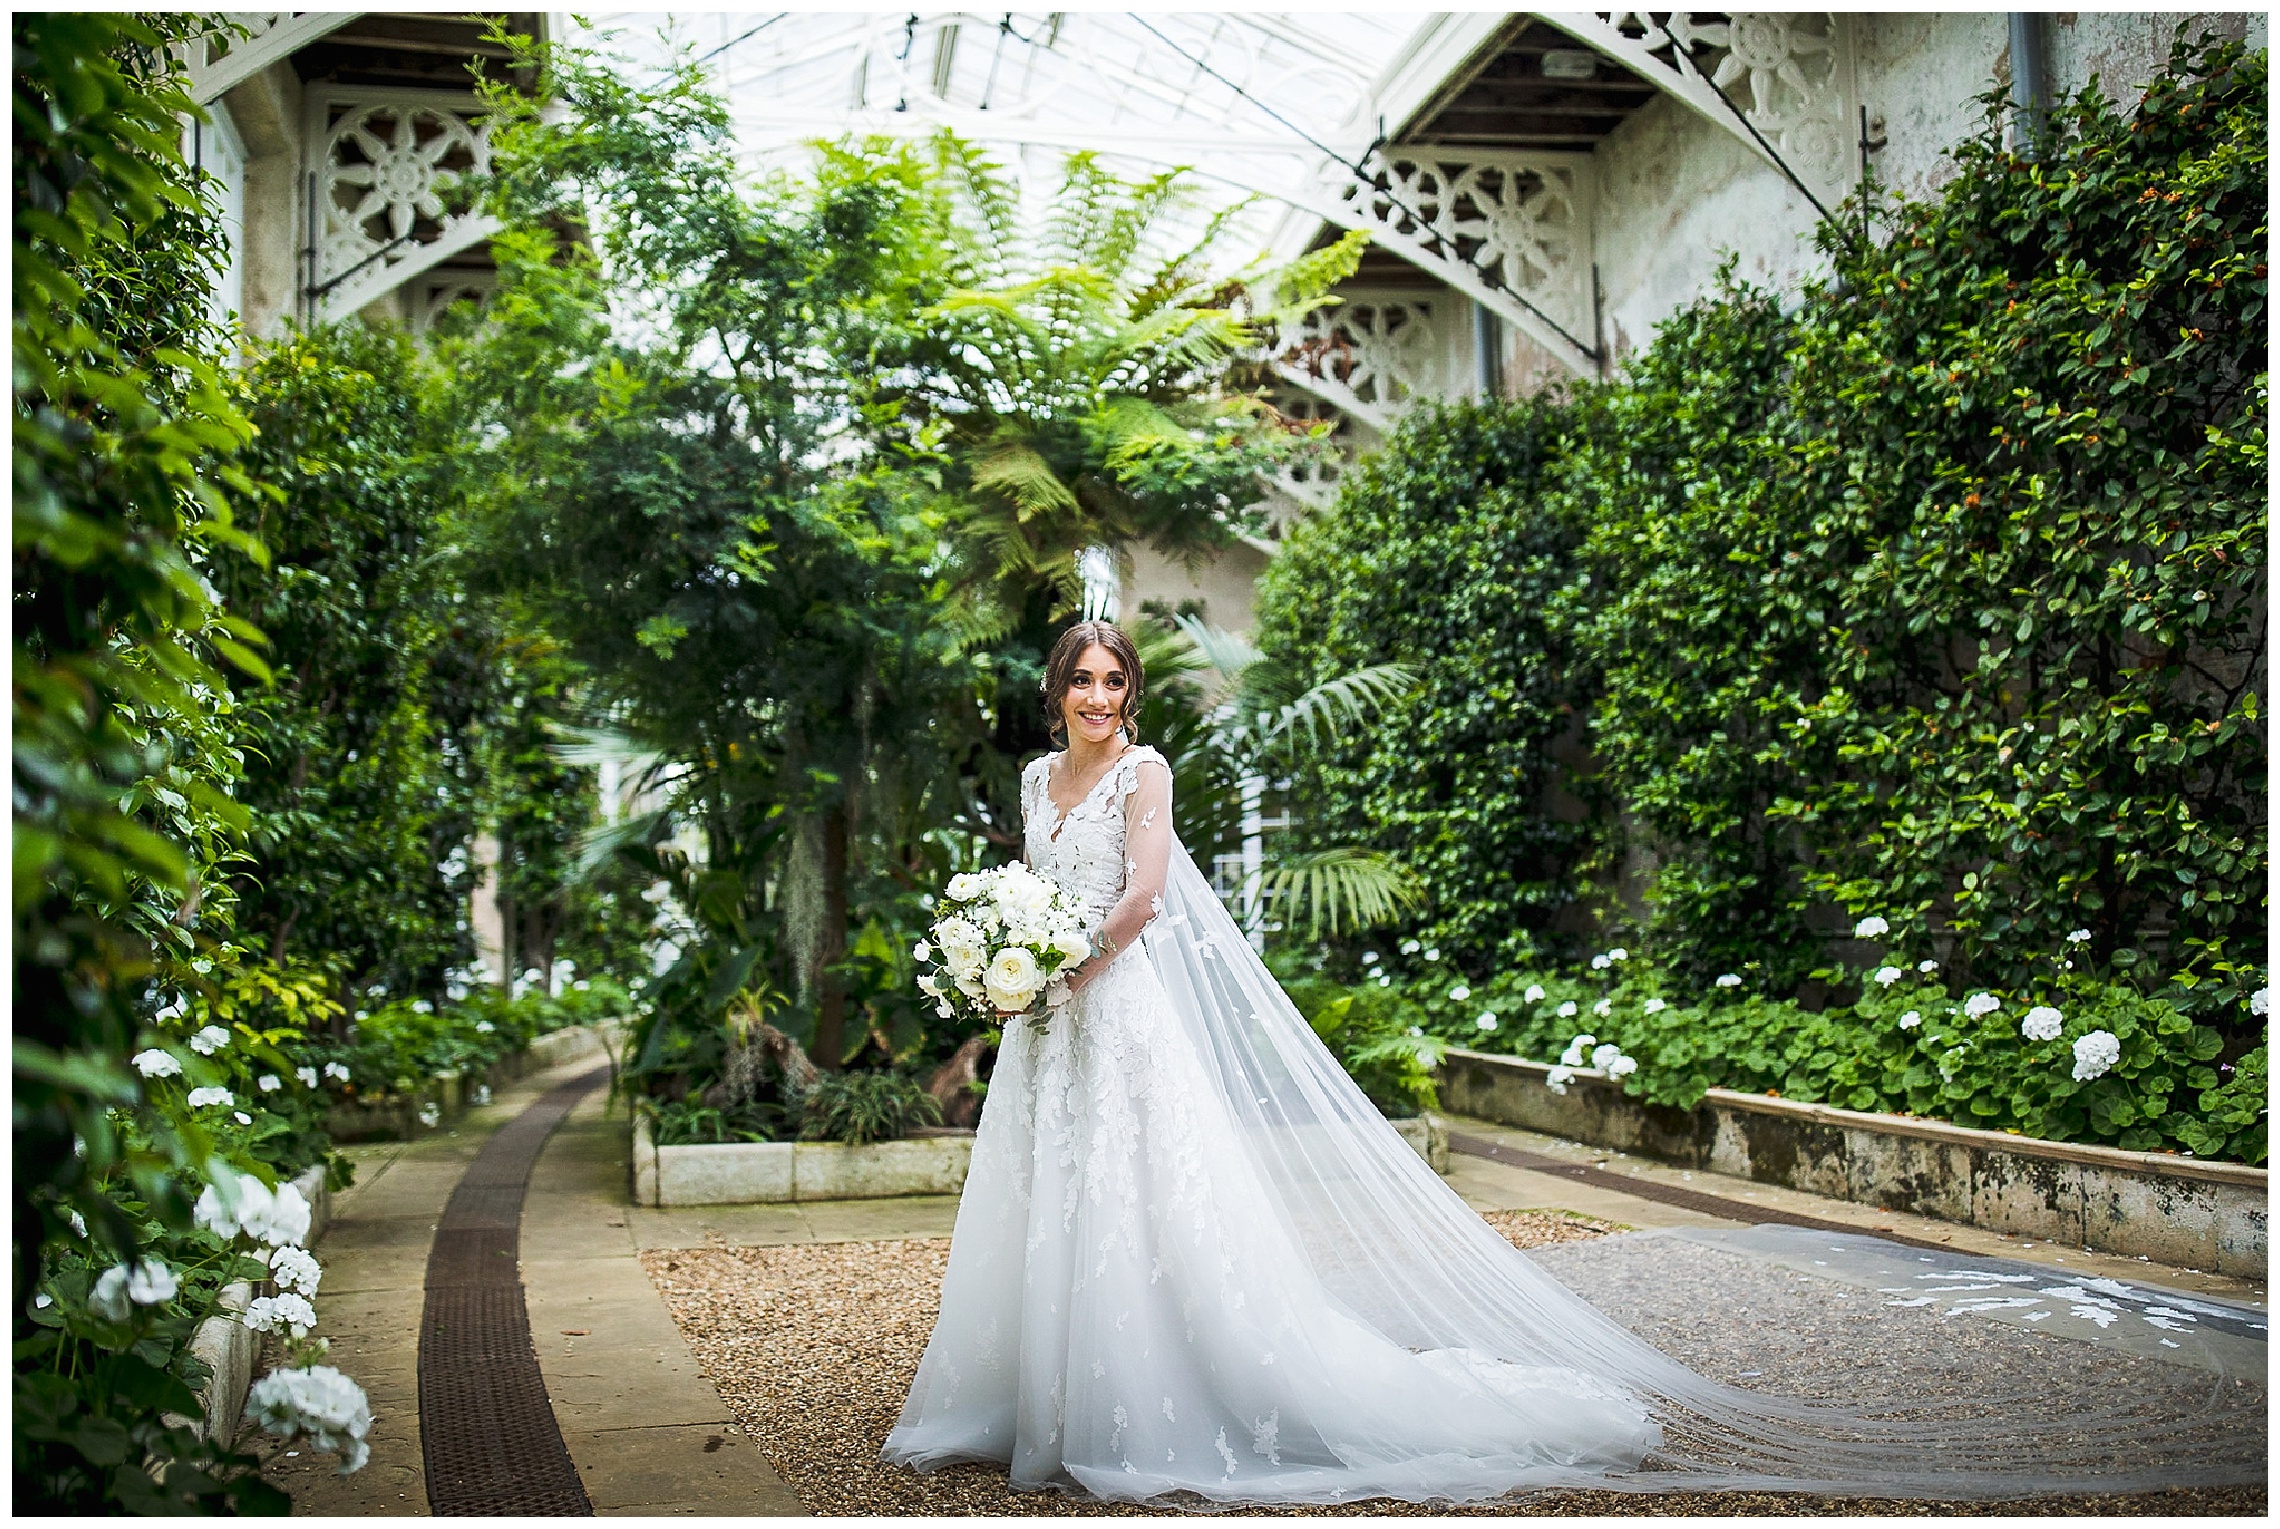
(1192, 1257)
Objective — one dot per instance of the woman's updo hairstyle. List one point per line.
(1061, 668)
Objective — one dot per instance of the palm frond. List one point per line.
(1225, 651)
(1324, 713)
(1337, 889)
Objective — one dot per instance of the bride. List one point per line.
(1191, 1257)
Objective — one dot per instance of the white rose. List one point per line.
(965, 888)
(1073, 946)
(1013, 979)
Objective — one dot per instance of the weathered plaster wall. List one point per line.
(267, 113)
(1222, 584)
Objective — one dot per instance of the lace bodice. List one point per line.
(1113, 849)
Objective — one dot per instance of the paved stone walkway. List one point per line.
(649, 1435)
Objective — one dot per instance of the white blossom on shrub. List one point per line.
(1727, 979)
(1485, 1022)
(1411, 947)
(269, 1082)
(1618, 954)
(2094, 1054)
(295, 1269)
(201, 1097)
(1887, 975)
(1433, 953)
(485, 1027)
(337, 1070)
(1567, 1009)
(273, 1313)
(250, 1207)
(1577, 1050)
(1981, 1003)
(1927, 966)
(1535, 993)
(1622, 1067)
(1870, 927)
(157, 1064)
(319, 1402)
(2042, 1023)
(2078, 936)
(482, 1094)
(307, 1075)
(148, 1283)
(1459, 993)
(1599, 963)
(1369, 957)
(1559, 1078)
(1602, 1055)
(2260, 1002)
(1604, 1007)
(1656, 1006)
(241, 1117)
(209, 1040)
(1911, 1020)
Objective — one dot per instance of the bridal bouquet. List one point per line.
(1003, 938)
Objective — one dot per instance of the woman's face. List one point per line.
(1093, 706)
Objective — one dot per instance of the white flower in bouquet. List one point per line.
(1577, 1050)
(967, 887)
(2095, 1054)
(922, 951)
(1075, 949)
(2042, 1023)
(319, 1402)
(1558, 1079)
(1013, 978)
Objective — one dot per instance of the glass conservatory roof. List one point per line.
(1250, 102)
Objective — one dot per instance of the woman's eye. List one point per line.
(1116, 682)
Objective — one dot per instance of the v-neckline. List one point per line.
(1061, 815)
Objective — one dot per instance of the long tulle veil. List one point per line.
(1406, 1257)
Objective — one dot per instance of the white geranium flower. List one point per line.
(2095, 1054)
(1727, 979)
(295, 1269)
(2042, 1023)
(1599, 963)
(1459, 993)
(1602, 1055)
(1911, 1020)
(1981, 1003)
(157, 1064)
(209, 1040)
(201, 1097)
(269, 1082)
(1618, 954)
(1656, 1006)
(431, 1114)
(1410, 947)
(2078, 936)
(1567, 1009)
(241, 1117)
(1927, 966)
(151, 1283)
(1433, 953)
(307, 1075)
(485, 1027)
(1622, 1067)
(107, 1297)
(337, 1070)
(319, 1403)
(1887, 975)
(1559, 1078)
(1535, 993)
(1577, 1050)
(1870, 927)
(1604, 1007)
(1369, 958)
(2260, 1002)
(1485, 1022)
(1013, 978)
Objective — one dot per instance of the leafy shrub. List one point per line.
(860, 1107)
(687, 1122)
(1375, 1034)
(1944, 591)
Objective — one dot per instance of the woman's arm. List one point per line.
(1147, 862)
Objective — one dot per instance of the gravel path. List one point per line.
(813, 1347)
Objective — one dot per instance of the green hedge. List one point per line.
(1940, 594)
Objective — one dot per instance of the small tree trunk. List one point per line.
(831, 945)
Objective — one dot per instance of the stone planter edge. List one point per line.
(2177, 1210)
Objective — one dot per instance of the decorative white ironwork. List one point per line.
(1790, 73)
(385, 167)
(220, 62)
(1511, 230)
(439, 291)
(1309, 481)
(1371, 355)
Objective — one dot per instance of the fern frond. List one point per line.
(1337, 889)
(1014, 469)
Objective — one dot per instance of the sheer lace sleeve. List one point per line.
(1147, 787)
